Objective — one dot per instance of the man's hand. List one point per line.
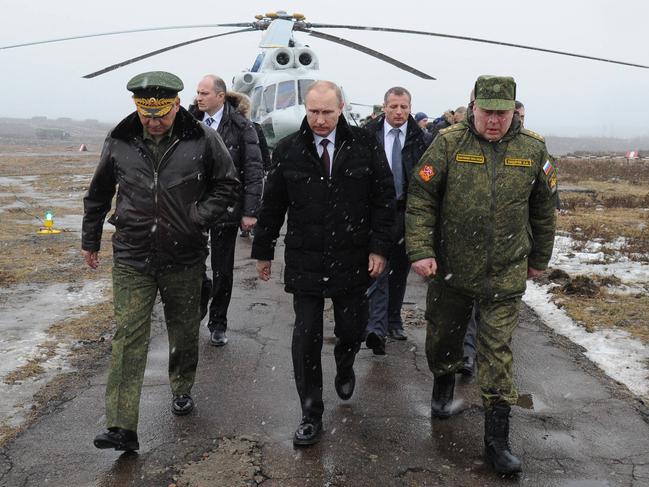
(263, 269)
(91, 258)
(425, 267)
(532, 273)
(248, 223)
(376, 265)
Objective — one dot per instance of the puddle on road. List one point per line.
(529, 401)
(26, 312)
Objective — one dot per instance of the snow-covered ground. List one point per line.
(616, 352)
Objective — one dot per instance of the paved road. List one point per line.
(582, 430)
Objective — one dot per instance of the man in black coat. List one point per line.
(404, 142)
(337, 188)
(218, 109)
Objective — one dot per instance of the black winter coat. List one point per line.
(415, 144)
(161, 216)
(333, 224)
(240, 137)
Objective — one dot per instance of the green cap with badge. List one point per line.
(495, 92)
(155, 83)
(155, 92)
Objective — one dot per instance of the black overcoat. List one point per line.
(333, 223)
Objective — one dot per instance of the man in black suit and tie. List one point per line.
(337, 188)
(404, 142)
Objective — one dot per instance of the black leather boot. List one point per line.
(440, 404)
(496, 440)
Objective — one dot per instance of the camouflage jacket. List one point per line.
(485, 211)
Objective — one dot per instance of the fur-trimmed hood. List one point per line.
(239, 101)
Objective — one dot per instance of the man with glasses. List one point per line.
(175, 178)
(480, 220)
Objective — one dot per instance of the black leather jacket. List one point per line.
(161, 214)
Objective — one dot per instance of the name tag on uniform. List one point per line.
(472, 158)
(512, 161)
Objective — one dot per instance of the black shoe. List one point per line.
(206, 294)
(398, 334)
(468, 367)
(218, 338)
(496, 441)
(182, 405)
(345, 385)
(376, 343)
(308, 433)
(440, 404)
(118, 439)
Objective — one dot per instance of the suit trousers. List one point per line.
(223, 242)
(134, 295)
(471, 336)
(387, 292)
(350, 320)
(447, 314)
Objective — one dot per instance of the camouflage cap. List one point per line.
(495, 92)
(156, 84)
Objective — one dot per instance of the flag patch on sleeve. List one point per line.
(547, 167)
(427, 172)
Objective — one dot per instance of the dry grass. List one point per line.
(27, 258)
(618, 206)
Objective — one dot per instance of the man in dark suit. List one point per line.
(219, 110)
(337, 188)
(404, 142)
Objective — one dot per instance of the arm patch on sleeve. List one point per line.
(427, 172)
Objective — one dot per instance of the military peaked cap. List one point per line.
(158, 84)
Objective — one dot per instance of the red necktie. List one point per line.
(326, 162)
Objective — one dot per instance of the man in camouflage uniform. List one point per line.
(175, 179)
(479, 221)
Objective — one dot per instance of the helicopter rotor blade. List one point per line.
(119, 32)
(159, 51)
(369, 51)
(474, 39)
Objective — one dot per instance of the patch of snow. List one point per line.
(617, 353)
(620, 355)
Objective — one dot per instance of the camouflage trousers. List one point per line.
(134, 295)
(448, 314)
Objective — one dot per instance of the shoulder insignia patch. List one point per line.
(547, 167)
(512, 161)
(427, 172)
(552, 182)
(451, 128)
(472, 158)
(533, 134)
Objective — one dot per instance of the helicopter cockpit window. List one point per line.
(303, 84)
(268, 99)
(255, 102)
(285, 94)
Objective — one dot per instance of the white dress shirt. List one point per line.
(216, 117)
(330, 147)
(388, 139)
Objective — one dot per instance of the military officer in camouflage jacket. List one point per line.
(480, 220)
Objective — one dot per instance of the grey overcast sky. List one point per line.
(563, 96)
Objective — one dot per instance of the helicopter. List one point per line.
(283, 70)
